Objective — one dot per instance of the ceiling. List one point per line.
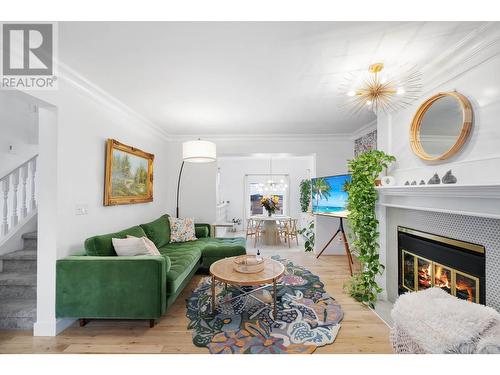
(199, 78)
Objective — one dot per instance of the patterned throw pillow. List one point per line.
(182, 230)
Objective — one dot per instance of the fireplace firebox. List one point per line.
(427, 260)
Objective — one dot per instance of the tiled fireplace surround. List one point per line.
(467, 213)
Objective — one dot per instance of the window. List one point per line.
(257, 186)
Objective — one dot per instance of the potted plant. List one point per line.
(236, 224)
(306, 224)
(365, 169)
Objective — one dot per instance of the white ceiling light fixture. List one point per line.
(387, 93)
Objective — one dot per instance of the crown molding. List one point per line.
(371, 126)
(264, 137)
(475, 48)
(79, 82)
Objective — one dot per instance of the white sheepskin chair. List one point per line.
(433, 321)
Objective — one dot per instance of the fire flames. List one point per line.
(465, 287)
(441, 278)
(425, 276)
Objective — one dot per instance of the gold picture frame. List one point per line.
(466, 126)
(128, 175)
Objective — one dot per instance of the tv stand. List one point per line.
(344, 237)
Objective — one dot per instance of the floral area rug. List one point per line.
(307, 316)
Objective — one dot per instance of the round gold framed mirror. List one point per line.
(441, 126)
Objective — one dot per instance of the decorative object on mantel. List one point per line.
(422, 182)
(362, 197)
(422, 324)
(407, 183)
(413, 183)
(388, 181)
(441, 126)
(377, 91)
(435, 180)
(449, 178)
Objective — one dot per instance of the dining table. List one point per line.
(269, 224)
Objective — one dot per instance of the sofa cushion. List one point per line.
(223, 247)
(158, 231)
(183, 258)
(202, 230)
(102, 245)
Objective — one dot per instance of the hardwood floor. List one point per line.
(362, 331)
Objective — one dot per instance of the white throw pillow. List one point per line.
(153, 250)
(182, 230)
(126, 247)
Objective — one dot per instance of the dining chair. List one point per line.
(254, 229)
(250, 232)
(291, 231)
(282, 224)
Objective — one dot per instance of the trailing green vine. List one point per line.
(309, 236)
(365, 169)
(305, 201)
(305, 195)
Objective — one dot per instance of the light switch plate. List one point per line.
(82, 209)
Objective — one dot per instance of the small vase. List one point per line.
(269, 213)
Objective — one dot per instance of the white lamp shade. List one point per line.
(199, 151)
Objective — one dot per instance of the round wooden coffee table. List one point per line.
(223, 271)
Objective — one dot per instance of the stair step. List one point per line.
(20, 255)
(21, 261)
(17, 291)
(18, 278)
(30, 236)
(18, 308)
(17, 313)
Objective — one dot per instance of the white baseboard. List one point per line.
(52, 328)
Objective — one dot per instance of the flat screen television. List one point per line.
(329, 196)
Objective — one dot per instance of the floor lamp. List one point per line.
(195, 152)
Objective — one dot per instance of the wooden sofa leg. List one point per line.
(83, 322)
(152, 323)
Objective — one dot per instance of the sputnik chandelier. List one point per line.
(376, 91)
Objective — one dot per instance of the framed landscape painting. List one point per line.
(129, 175)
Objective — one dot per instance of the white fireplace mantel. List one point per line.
(472, 200)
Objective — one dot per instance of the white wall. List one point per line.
(84, 119)
(234, 169)
(478, 161)
(19, 128)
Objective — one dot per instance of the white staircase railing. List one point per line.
(23, 175)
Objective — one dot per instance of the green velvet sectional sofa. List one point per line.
(98, 284)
